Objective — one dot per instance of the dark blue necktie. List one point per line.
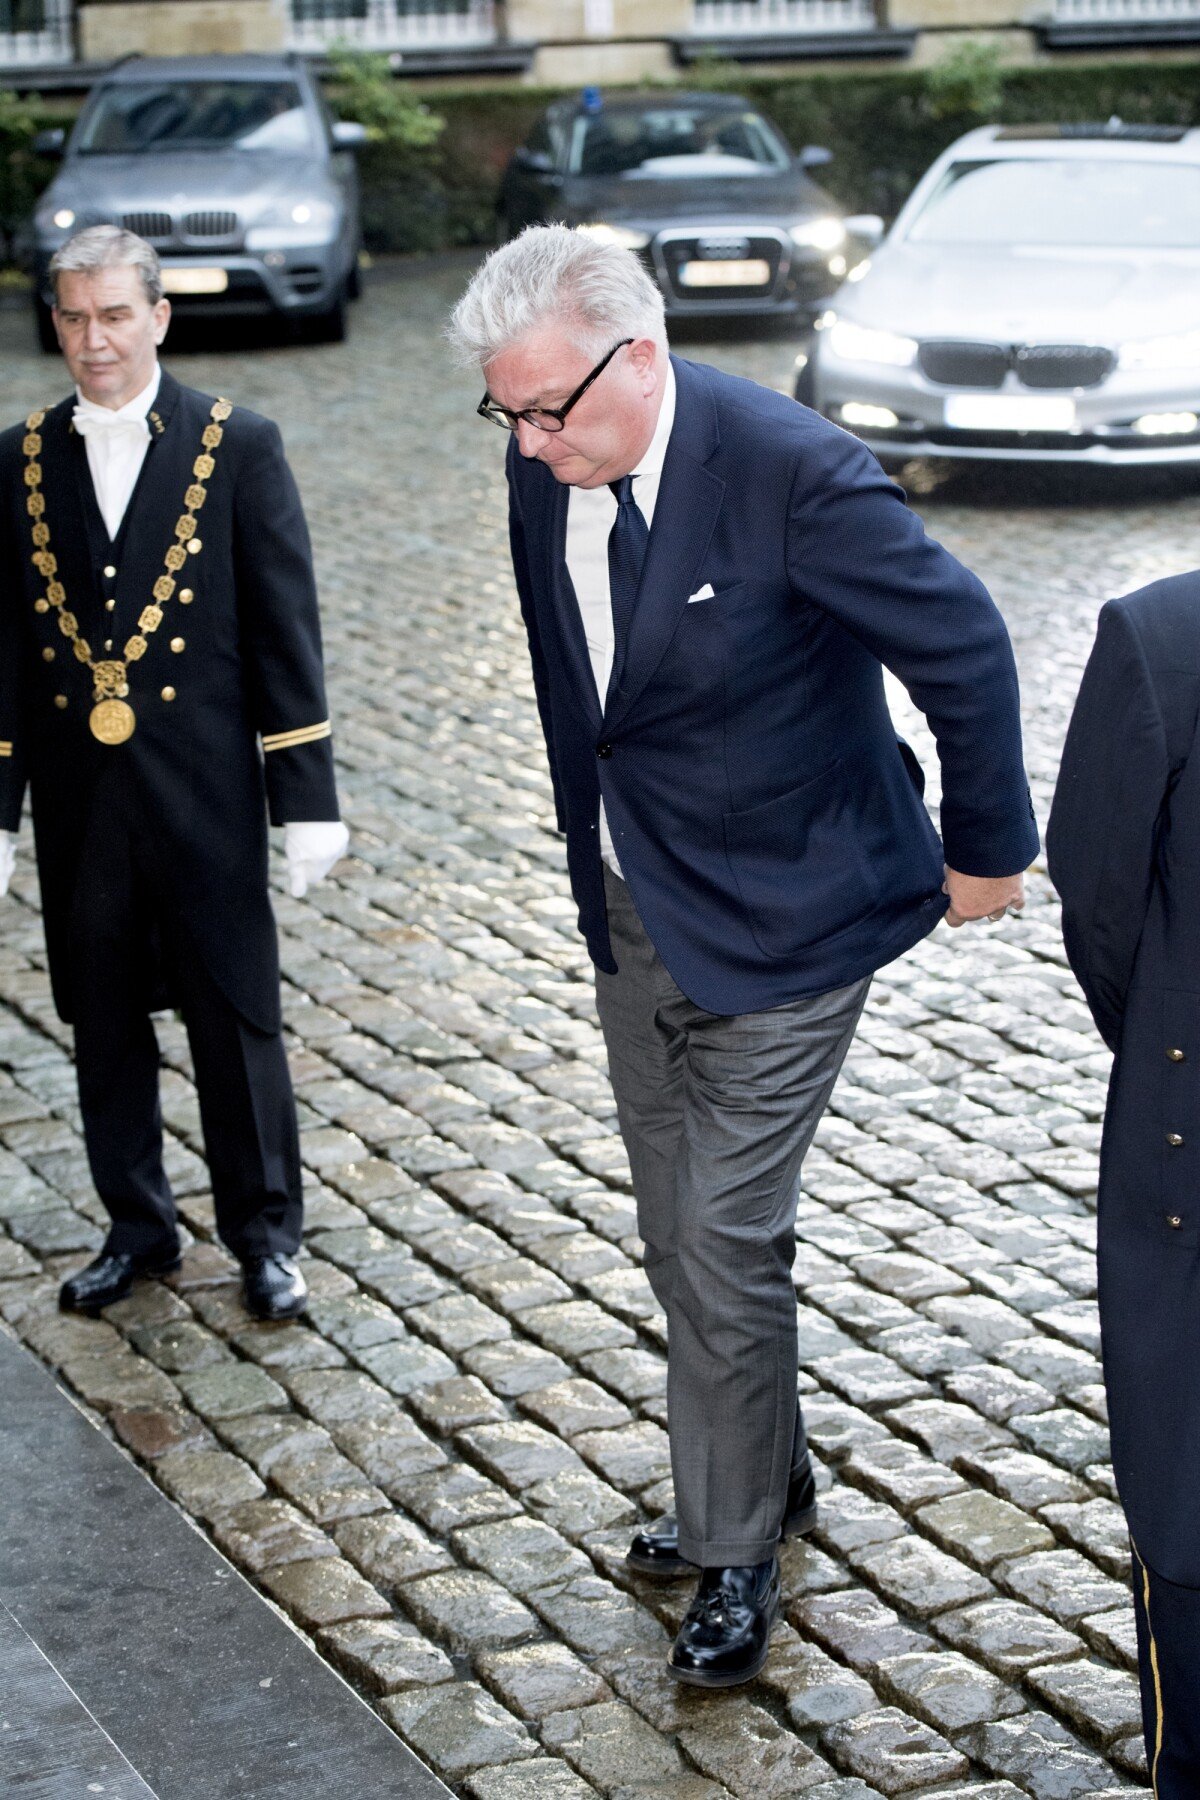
(627, 543)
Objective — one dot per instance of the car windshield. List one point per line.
(674, 141)
(1072, 204)
(137, 117)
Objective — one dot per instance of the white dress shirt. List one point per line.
(591, 515)
(117, 439)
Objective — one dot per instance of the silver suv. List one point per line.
(232, 168)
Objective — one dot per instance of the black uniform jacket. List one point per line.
(247, 669)
(1124, 848)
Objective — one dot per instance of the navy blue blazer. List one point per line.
(1124, 853)
(767, 819)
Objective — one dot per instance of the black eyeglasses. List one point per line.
(545, 418)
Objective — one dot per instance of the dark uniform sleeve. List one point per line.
(277, 604)
(541, 682)
(1113, 781)
(13, 732)
(856, 550)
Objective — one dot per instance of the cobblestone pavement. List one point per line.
(436, 1472)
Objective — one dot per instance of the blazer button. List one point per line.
(109, 570)
(604, 751)
(1174, 1139)
(1174, 1221)
(1176, 1055)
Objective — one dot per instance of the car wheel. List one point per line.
(354, 279)
(44, 320)
(330, 327)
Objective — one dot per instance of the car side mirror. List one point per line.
(815, 156)
(867, 226)
(536, 162)
(50, 144)
(349, 135)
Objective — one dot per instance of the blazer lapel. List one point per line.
(157, 499)
(564, 604)
(685, 515)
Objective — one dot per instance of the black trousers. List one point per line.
(1168, 1635)
(128, 952)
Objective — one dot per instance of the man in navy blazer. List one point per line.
(712, 579)
(1124, 852)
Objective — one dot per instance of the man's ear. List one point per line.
(643, 353)
(162, 318)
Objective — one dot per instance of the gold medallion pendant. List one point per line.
(112, 721)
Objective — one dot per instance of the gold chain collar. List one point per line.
(112, 719)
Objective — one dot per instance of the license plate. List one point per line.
(195, 281)
(1010, 412)
(747, 271)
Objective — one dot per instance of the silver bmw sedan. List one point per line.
(1038, 298)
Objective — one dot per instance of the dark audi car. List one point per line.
(232, 168)
(704, 188)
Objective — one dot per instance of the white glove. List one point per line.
(8, 859)
(312, 849)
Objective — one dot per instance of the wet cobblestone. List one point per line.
(436, 1471)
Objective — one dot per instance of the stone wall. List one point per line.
(112, 28)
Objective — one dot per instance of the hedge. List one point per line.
(884, 129)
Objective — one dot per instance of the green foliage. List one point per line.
(365, 89)
(403, 203)
(967, 82)
(22, 174)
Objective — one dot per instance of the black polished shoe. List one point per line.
(275, 1288)
(109, 1277)
(654, 1552)
(725, 1637)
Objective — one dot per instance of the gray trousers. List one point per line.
(716, 1114)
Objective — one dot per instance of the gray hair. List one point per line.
(598, 291)
(108, 247)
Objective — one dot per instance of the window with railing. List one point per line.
(35, 31)
(1124, 12)
(723, 18)
(391, 24)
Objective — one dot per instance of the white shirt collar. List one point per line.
(137, 408)
(656, 455)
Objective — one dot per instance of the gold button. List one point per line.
(108, 643)
(47, 655)
(1174, 1221)
(42, 606)
(168, 693)
(177, 645)
(108, 605)
(1175, 1055)
(194, 546)
(109, 570)
(60, 700)
(1174, 1139)
(186, 596)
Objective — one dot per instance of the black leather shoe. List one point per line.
(109, 1277)
(655, 1551)
(275, 1288)
(725, 1637)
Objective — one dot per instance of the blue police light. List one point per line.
(593, 100)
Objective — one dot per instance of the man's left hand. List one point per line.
(981, 897)
(312, 848)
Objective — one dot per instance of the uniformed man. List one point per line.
(158, 624)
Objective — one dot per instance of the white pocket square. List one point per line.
(704, 593)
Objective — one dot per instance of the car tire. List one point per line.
(330, 327)
(44, 322)
(354, 284)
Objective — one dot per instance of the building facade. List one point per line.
(44, 43)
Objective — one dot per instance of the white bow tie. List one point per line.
(101, 423)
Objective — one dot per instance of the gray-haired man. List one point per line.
(711, 577)
(132, 505)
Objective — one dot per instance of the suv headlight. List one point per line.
(626, 236)
(293, 224)
(1182, 351)
(819, 234)
(863, 343)
(59, 218)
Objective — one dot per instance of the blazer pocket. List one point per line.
(799, 865)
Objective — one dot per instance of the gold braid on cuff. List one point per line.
(291, 740)
(5, 749)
